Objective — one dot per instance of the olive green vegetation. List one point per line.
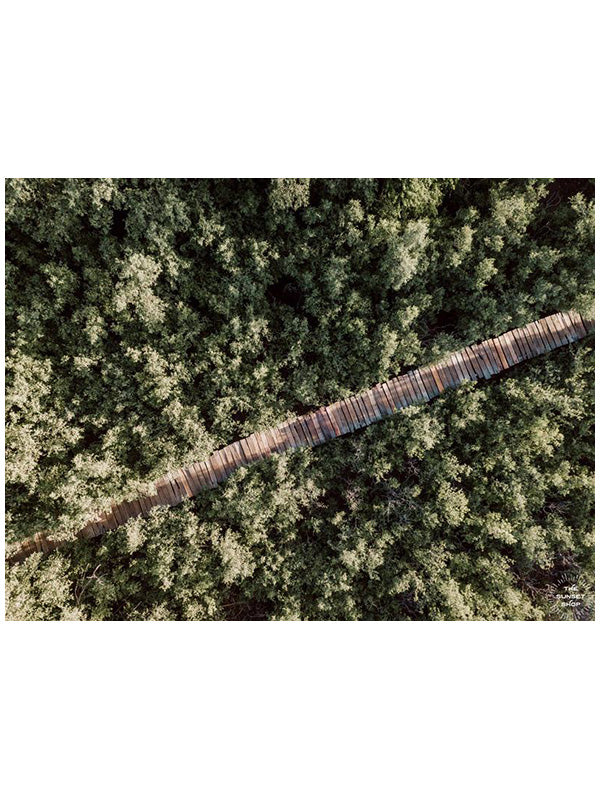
(149, 322)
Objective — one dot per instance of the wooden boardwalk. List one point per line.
(417, 386)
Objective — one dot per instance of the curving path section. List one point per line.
(417, 386)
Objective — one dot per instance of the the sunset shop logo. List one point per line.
(573, 599)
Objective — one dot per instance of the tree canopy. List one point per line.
(150, 321)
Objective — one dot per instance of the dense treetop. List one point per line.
(150, 321)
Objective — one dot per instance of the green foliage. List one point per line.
(465, 508)
(150, 321)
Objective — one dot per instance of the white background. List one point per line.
(299, 710)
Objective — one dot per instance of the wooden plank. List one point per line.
(583, 326)
(335, 411)
(384, 401)
(540, 344)
(295, 434)
(263, 445)
(137, 510)
(452, 371)
(425, 384)
(397, 398)
(266, 443)
(276, 435)
(224, 461)
(492, 364)
(492, 356)
(328, 423)
(542, 338)
(333, 421)
(569, 327)
(557, 328)
(191, 481)
(387, 398)
(518, 346)
(411, 388)
(511, 346)
(132, 512)
(171, 495)
(444, 373)
(430, 384)
(179, 492)
(345, 413)
(577, 323)
(437, 377)
(460, 367)
(369, 411)
(350, 415)
(500, 353)
(110, 520)
(237, 454)
(380, 404)
(217, 467)
(561, 328)
(524, 343)
(340, 419)
(370, 400)
(534, 345)
(357, 412)
(307, 432)
(246, 451)
(482, 363)
(317, 423)
(469, 362)
(316, 432)
(509, 352)
(150, 501)
(385, 388)
(163, 494)
(546, 335)
(324, 424)
(474, 363)
(537, 341)
(204, 478)
(551, 323)
(379, 408)
(418, 386)
(179, 485)
(305, 442)
(361, 410)
(183, 481)
(416, 389)
(201, 477)
(205, 467)
(456, 376)
(403, 391)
